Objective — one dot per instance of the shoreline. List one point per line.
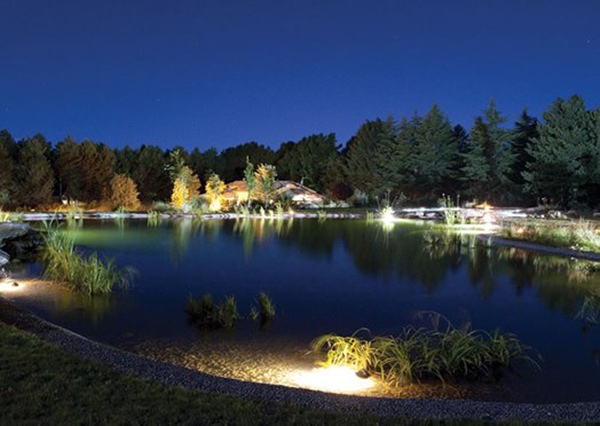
(173, 375)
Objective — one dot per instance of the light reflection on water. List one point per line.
(331, 276)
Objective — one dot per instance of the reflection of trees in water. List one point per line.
(254, 230)
(416, 254)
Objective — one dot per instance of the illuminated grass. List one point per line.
(579, 235)
(426, 353)
(90, 275)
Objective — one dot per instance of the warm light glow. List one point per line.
(215, 206)
(332, 379)
(7, 286)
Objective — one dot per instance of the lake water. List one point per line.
(330, 276)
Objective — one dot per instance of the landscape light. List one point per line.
(334, 379)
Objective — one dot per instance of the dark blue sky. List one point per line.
(220, 73)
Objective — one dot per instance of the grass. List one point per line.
(264, 312)
(427, 353)
(42, 384)
(579, 235)
(87, 274)
(205, 313)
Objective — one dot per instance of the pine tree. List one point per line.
(564, 155)
(34, 172)
(435, 153)
(124, 193)
(7, 169)
(488, 160)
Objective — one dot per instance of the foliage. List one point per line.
(426, 353)
(124, 192)
(309, 161)
(264, 310)
(206, 314)
(580, 235)
(565, 156)
(89, 275)
(186, 187)
(265, 177)
(34, 173)
(214, 188)
(250, 180)
(488, 158)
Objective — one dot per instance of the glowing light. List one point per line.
(7, 285)
(332, 379)
(215, 206)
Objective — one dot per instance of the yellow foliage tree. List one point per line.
(186, 187)
(124, 193)
(214, 188)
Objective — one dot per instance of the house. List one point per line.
(236, 192)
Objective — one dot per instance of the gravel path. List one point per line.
(179, 376)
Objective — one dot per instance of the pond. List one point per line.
(334, 275)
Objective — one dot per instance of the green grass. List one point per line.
(427, 353)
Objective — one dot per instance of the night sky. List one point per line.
(220, 73)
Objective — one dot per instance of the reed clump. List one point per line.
(427, 353)
(264, 310)
(205, 313)
(87, 274)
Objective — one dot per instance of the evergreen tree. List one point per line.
(434, 153)
(526, 129)
(151, 174)
(488, 159)
(7, 168)
(68, 168)
(125, 160)
(310, 160)
(564, 155)
(34, 172)
(367, 158)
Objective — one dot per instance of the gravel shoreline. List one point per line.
(179, 376)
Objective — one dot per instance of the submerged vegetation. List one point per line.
(87, 274)
(426, 353)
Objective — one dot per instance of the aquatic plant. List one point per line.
(426, 353)
(90, 275)
(205, 313)
(265, 309)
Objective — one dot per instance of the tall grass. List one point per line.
(264, 311)
(579, 235)
(90, 275)
(427, 353)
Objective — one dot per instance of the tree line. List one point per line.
(417, 159)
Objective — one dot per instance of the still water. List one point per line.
(331, 276)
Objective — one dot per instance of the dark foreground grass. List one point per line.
(42, 384)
